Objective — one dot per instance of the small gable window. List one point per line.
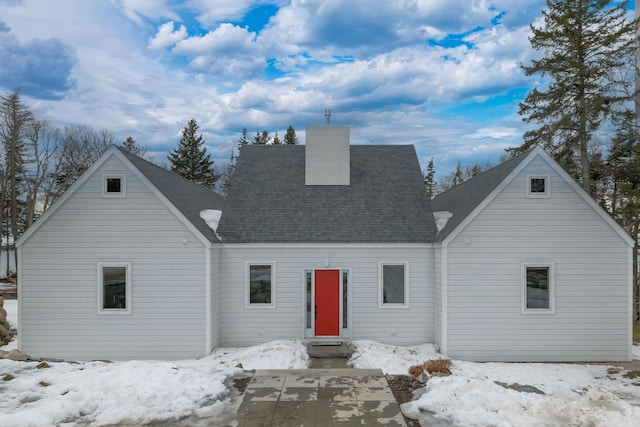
(537, 289)
(113, 186)
(261, 285)
(538, 186)
(393, 286)
(114, 288)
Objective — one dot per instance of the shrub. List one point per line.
(430, 366)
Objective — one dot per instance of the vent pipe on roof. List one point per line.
(327, 115)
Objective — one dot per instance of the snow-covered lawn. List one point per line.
(575, 395)
(134, 393)
(137, 392)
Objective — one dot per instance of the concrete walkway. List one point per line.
(318, 397)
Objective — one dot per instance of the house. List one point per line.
(326, 241)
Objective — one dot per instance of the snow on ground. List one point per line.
(136, 392)
(636, 352)
(11, 307)
(139, 392)
(574, 394)
(392, 359)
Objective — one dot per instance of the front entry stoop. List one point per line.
(324, 350)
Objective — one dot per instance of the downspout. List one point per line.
(19, 295)
(444, 272)
(208, 302)
(630, 271)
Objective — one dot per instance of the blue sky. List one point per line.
(440, 74)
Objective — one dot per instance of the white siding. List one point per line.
(591, 279)
(59, 267)
(242, 326)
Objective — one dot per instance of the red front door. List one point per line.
(327, 303)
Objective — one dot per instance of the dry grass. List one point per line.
(636, 333)
(438, 365)
(442, 366)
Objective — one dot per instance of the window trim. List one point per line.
(382, 304)
(247, 285)
(547, 187)
(523, 288)
(123, 186)
(129, 302)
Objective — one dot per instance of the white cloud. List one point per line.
(373, 64)
(498, 132)
(166, 36)
(228, 51)
(211, 12)
(153, 9)
(227, 37)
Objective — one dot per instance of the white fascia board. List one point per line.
(329, 245)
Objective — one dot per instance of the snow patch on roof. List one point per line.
(212, 218)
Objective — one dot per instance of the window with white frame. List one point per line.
(261, 284)
(538, 186)
(393, 284)
(114, 288)
(113, 186)
(538, 288)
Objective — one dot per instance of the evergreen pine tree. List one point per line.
(458, 177)
(243, 140)
(429, 178)
(276, 140)
(583, 46)
(130, 145)
(290, 137)
(191, 159)
(261, 138)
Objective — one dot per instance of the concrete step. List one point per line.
(331, 350)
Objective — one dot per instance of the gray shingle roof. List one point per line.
(464, 198)
(189, 198)
(385, 203)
